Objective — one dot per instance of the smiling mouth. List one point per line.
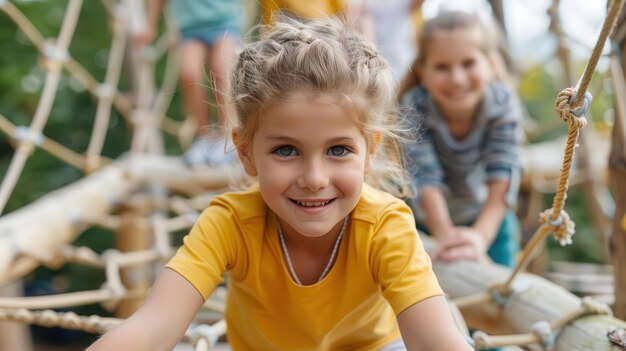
(312, 203)
(458, 94)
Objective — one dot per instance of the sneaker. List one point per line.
(210, 151)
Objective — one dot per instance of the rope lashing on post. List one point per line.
(543, 333)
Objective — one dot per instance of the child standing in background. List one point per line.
(210, 32)
(300, 10)
(466, 158)
(318, 258)
(391, 24)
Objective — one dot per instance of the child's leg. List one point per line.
(506, 245)
(192, 83)
(222, 57)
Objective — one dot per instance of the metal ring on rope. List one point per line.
(570, 115)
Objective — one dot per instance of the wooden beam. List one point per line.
(617, 168)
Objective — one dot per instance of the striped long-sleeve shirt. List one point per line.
(462, 167)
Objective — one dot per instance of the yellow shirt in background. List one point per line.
(381, 269)
(307, 9)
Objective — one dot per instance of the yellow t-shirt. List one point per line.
(381, 269)
(306, 9)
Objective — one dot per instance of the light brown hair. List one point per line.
(491, 44)
(324, 58)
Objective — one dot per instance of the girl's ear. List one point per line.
(245, 154)
(373, 147)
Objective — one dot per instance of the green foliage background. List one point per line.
(70, 122)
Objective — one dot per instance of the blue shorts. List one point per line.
(209, 34)
(505, 246)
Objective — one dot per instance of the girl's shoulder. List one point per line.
(501, 92)
(375, 204)
(244, 204)
(501, 101)
(417, 98)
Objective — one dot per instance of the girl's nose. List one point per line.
(457, 75)
(314, 175)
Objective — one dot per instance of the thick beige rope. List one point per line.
(61, 152)
(556, 220)
(607, 28)
(569, 104)
(107, 91)
(67, 320)
(56, 55)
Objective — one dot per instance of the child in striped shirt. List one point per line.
(465, 160)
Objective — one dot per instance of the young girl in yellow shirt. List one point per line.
(318, 258)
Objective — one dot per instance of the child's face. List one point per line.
(310, 159)
(456, 70)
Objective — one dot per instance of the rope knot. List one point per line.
(481, 339)
(203, 332)
(596, 307)
(563, 227)
(501, 294)
(574, 117)
(543, 332)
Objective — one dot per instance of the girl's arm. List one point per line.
(154, 9)
(490, 217)
(161, 322)
(428, 326)
(472, 243)
(436, 212)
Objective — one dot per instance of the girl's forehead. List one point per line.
(451, 43)
(313, 104)
(469, 34)
(317, 113)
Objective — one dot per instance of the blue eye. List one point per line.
(469, 63)
(285, 151)
(338, 151)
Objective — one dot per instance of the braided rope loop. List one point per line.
(572, 115)
(563, 227)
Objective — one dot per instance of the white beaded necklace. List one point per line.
(330, 261)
